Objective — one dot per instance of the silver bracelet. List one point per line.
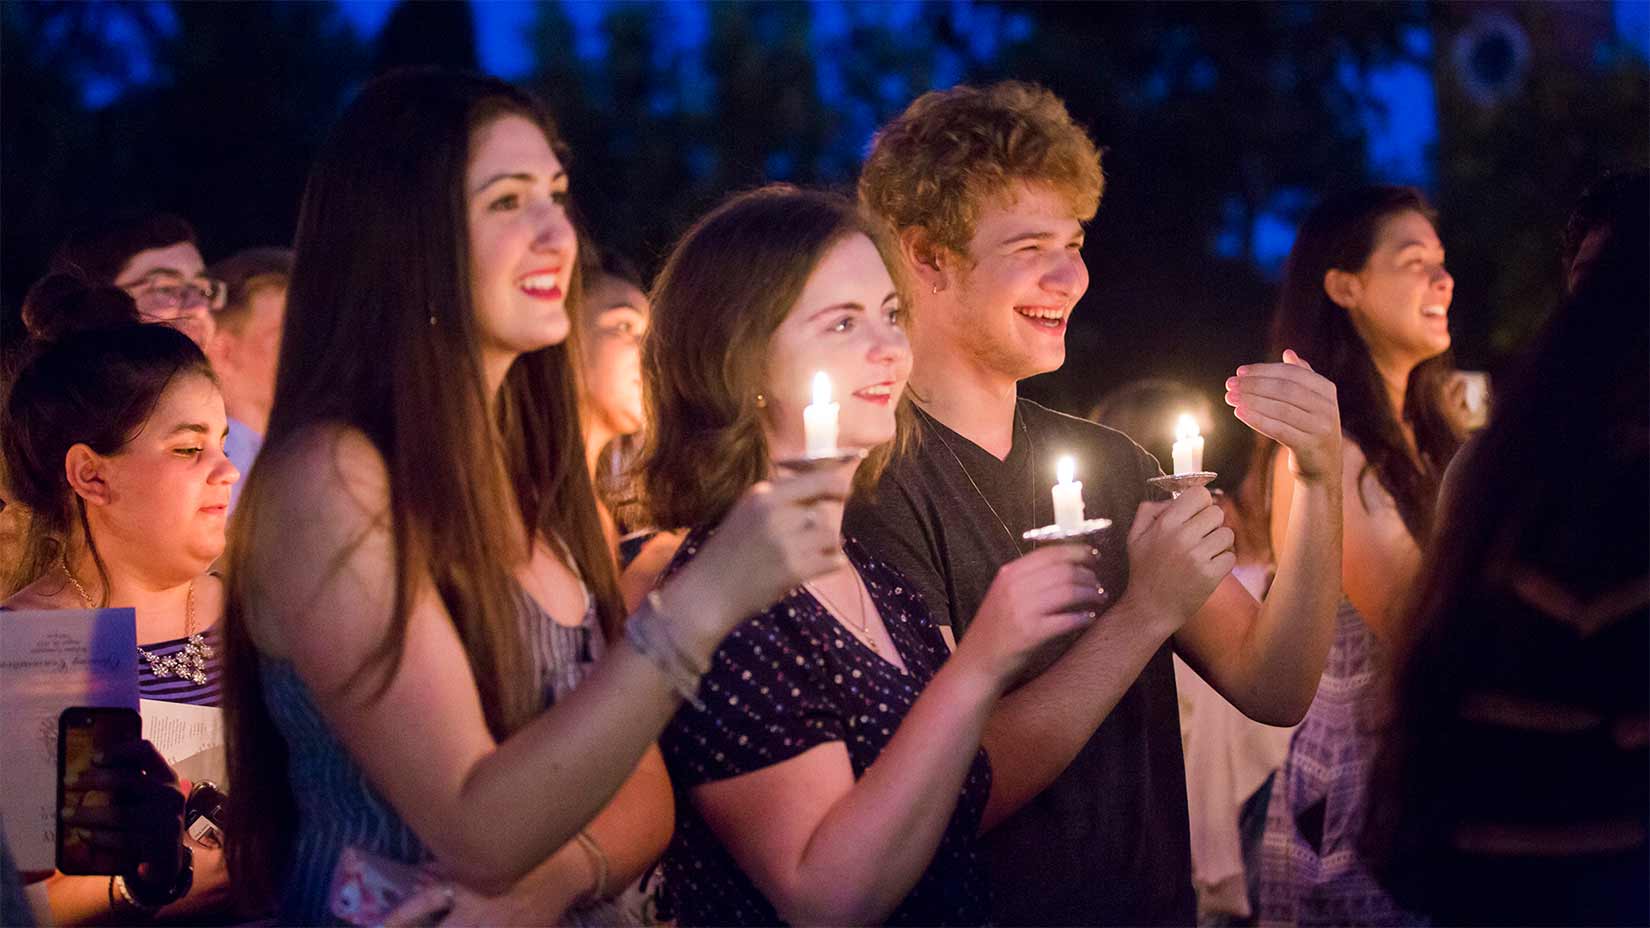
(648, 632)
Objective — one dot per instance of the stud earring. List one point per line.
(761, 401)
(936, 289)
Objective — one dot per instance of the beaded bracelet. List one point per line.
(649, 633)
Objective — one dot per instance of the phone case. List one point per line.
(83, 731)
(366, 888)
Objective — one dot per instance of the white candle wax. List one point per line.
(819, 419)
(1068, 495)
(1188, 446)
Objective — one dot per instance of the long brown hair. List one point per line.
(380, 335)
(1340, 233)
(726, 287)
(1557, 485)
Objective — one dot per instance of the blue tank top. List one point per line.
(338, 808)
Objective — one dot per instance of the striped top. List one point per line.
(1311, 871)
(338, 807)
(178, 688)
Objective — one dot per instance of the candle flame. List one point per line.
(822, 389)
(1185, 427)
(1066, 468)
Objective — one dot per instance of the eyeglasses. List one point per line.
(167, 293)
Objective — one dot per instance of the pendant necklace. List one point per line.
(939, 432)
(863, 630)
(189, 663)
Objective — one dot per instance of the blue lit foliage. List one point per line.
(1223, 122)
(678, 102)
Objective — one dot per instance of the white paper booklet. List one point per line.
(189, 737)
(51, 660)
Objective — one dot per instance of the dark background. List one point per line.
(1222, 124)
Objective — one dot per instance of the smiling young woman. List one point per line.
(423, 627)
(834, 774)
(1366, 293)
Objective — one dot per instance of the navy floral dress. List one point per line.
(788, 680)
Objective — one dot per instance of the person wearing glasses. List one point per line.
(157, 260)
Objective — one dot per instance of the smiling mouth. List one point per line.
(1435, 312)
(1048, 317)
(879, 393)
(542, 286)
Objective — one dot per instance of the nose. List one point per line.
(889, 344)
(1442, 281)
(224, 470)
(555, 232)
(1069, 278)
(197, 322)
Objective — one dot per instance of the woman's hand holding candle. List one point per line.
(819, 419)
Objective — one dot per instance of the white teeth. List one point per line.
(877, 391)
(1033, 313)
(539, 282)
(1432, 310)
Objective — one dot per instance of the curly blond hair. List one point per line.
(936, 164)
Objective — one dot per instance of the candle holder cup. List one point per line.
(1179, 483)
(1054, 534)
(812, 462)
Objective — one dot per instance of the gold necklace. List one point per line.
(863, 632)
(189, 663)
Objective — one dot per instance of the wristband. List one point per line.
(140, 895)
(648, 632)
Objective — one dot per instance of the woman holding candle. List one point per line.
(834, 774)
(419, 593)
(1366, 295)
(1510, 785)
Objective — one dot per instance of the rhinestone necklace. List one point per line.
(189, 663)
(1018, 420)
(863, 630)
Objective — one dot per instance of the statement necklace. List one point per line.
(940, 433)
(863, 630)
(189, 663)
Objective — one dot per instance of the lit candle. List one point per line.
(1188, 445)
(819, 419)
(1068, 495)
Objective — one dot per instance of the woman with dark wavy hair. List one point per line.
(1510, 786)
(420, 581)
(1365, 296)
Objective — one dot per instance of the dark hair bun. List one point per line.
(59, 305)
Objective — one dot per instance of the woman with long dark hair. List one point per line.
(1366, 296)
(113, 439)
(418, 575)
(1510, 786)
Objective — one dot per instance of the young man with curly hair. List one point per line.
(987, 191)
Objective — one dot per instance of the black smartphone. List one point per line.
(84, 732)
